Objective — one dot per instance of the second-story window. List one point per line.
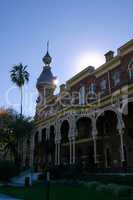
(75, 98)
(82, 95)
(130, 70)
(92, 88)
(91, 93)
(103, 85)
(116, 78)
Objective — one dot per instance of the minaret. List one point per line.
(45, 83)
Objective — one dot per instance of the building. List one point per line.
(90, 120)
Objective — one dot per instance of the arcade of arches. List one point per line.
(74, 141)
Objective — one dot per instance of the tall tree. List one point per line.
(7, 137)
(19, 75)
(21, 128)
(13, 129)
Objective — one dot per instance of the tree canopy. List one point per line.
(13, 128)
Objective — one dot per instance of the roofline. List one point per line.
(85, 72)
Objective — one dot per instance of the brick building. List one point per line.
(90, 120)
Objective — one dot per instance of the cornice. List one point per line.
(123, 50)
(107, 100)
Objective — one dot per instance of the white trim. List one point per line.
(125, 104)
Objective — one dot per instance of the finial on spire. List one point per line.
(47, 58)
(48, 46)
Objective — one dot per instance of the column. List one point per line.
(73, 150)
(70, 141)
(56, 153)
(94, 134)
(122, 145)
(95, 150)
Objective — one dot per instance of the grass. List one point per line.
(120, 180)
(57, 192)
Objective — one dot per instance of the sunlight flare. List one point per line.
(89, 59)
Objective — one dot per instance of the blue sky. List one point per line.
(80, 33)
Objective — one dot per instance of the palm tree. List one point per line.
(19, 76)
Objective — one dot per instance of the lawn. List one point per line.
(120, 180)
(57, 192)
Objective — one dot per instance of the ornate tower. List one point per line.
(46, 81)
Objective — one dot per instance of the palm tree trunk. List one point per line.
(21, 113)
(21, 101)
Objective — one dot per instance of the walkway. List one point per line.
(5, 197)
(19, 181)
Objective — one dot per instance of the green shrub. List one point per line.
(123, 191)
(120, 190)
(102, 188)
(8, 170)
(91, 185)
(112, 187)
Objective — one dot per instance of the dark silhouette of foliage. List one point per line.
(19, 75)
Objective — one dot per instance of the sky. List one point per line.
(80, 32)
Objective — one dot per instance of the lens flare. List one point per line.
(89, 59)
(55, 81)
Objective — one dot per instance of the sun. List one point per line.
(55, 82)
(89, 59)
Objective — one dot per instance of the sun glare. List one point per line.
(89, 59)
(56, 81)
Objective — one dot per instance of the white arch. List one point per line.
(83, 115)
(120, 122)
(109, 108)
(124, 108)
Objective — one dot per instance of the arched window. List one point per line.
(130, 70)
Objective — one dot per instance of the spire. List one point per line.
(46, 77)
(48, 46)
(47, 58)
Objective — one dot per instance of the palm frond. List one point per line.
(19, 75)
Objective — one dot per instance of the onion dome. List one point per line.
(47, 59)
(46, 77)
